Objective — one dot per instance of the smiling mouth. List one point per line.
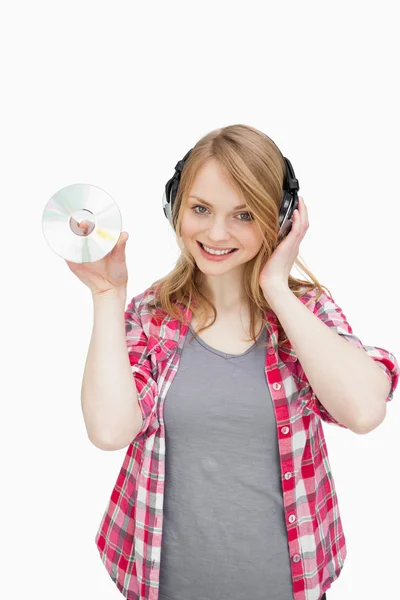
(230, 252)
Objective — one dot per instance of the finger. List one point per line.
(119, 249)
(84, 225)
(304, 209)
(296, 216)
(123, 238)
(302, 212)
(297, 222)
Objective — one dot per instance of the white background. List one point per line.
(114, 94)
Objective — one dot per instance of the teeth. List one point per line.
(217, 252)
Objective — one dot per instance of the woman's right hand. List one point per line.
(105, 274)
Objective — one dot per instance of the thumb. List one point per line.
(119, 248)
(123, 239)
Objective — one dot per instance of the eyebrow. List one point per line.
(210, 205)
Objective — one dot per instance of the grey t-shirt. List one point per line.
(224, 533)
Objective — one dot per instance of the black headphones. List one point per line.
(288, 205)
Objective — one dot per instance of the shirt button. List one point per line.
(158, 349)
(271, 350)
(292, 518)
(296, 558)
(288, 475)
(276, 386)
(285, 430)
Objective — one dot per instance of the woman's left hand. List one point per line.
(277, 269)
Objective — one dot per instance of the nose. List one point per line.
(218, 232)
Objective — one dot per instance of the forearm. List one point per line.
(345, 379)
(109, 396)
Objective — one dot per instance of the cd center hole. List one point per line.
(82, 223)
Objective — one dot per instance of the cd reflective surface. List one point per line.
(81, 223)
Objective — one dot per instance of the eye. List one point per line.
(248, 214)
(244, 213)
(198, 206)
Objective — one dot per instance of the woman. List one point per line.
(226, 489)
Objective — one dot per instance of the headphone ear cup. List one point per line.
(171, 188)
(288, 205)
(167, 200)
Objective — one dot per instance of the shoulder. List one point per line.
(143, 309)
(140, 303)
(315, 298)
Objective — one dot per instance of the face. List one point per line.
(217, 221)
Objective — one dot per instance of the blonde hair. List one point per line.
(255, 168)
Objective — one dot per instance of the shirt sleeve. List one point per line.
(332, 315)
(146, 386)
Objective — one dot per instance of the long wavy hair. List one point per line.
(255, 168)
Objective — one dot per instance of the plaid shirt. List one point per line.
(130, 533)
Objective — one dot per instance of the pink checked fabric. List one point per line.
(130, 533)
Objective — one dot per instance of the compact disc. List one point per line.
(81, 223)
